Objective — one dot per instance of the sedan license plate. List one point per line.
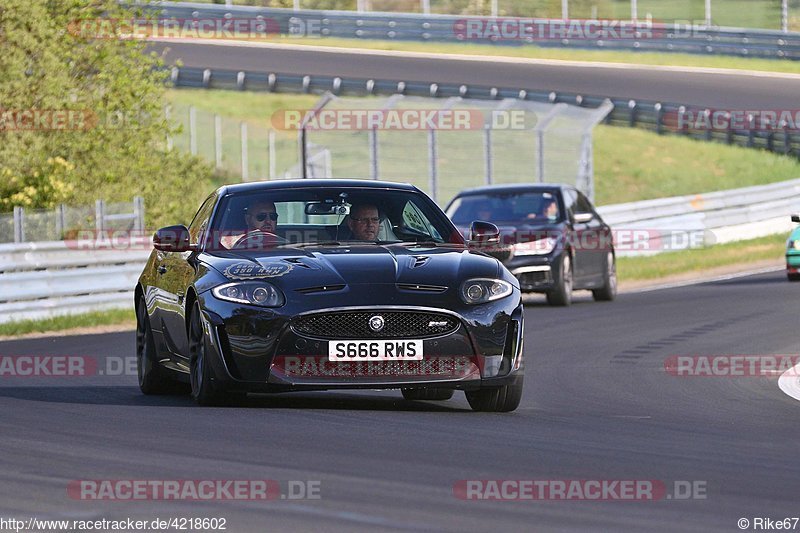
(382, 350)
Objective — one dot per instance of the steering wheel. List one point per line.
(258, 239)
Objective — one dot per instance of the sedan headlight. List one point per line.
(792, 245)
(479, 291)
(250, 292)
(537, 247)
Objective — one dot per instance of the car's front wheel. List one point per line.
(427, 394)
(609, 289)
(153, 378)
(496, 399)
(561, 294)
(793, 277)
(201, 375)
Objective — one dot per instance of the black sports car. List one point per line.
(323, 284)
(552, 239)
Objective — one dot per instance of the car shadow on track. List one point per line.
(130, 396)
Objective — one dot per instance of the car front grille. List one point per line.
(356, 325)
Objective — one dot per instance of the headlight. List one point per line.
(479, 291)
(793, 245)
(250, 292)
(537, 247)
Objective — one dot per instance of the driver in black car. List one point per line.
(260, 215)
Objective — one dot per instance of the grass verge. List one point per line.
(701, 259)
(61, 323)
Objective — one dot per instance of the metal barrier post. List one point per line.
(218, 141)
(634, 10)
(785, 16)
(138, 213)
(245, 163)
(565, 9)
(301, 142)
(99, 215)
(708, 12)
(495, 9)
(193, 130)
(373, 153)
(19, 224)
(272, 162)
(166, 118)
(487, 154)
(540, 158)
(60, 220)
(426, 7)
(432, 157)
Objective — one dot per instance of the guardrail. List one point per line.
(39, 280)
(694, 39)
(661, 117)
(710, 218)
(43, 279)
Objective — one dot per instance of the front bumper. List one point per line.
(793, 262)
(261, 352)
(536, 273)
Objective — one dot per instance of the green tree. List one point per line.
(111, 145)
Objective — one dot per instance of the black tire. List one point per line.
(204, 389)
(427, 394)
(608, 291)
(793, 277)
(561, 294)
(154, 379)
(496, 399)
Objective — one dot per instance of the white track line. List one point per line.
(789, 382)
(483, 58)
(698, 281)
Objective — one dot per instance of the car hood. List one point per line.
(311, 267)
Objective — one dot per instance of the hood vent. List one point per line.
(296, 261)
(421, 288)
(322, 288)
(419, 260)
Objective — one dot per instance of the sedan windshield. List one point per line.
(540, 207)
(327, 216)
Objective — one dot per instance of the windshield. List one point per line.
(313, 216)
(540, 207)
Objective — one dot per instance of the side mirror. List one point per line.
(796, 218)
(483, 234)
(172, 239)
(583, 218)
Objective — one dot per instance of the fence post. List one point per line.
(751, 130)
(432, 158)
(634, 10)
(272, 162)
(193, 130)
(632, 118)
(659, 109)
(540, 159)
(301, 145)
(19, 224)
(426, 7)
(373, 152)
(166, 118)
(296, 5)
(495, 9)
(138, 212)
(487, 154)
(245, 163)
(218, 141)
(565, 9)
(708, 12)
(99, 215)
(60, 220)
(785, 16)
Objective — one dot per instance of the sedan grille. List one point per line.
(356, 325)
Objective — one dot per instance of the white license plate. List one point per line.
(383, 350)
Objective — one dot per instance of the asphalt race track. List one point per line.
(597, 405)
(725, 91)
